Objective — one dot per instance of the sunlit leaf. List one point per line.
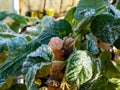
(108, 68)
(6, 84)
(79, 68)
(102, 84)
(69, 15)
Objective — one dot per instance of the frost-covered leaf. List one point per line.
(86, 7)
(37, 62)
(106, 28)
(114, 11)
(36, 29)
(16, 42)
(91, 45)
(43, 51)
(13, 64)
(12, 43)
(46, 20)
(79, 68)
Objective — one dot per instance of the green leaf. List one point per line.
(117, 43)
(102, 84)
(7, 35)
(18, 18)
(3, 15)
(86, 7)
(6, 84)
(14, 20)
(79, 68)
(1, 45)
(118, 63)
(3, 57)
(69, 15)
(105, 57)
(108, 67)
(115, 82)
(106, 28)
(91, 45)
(18, 87)
(4, 27)
(32, 19)
(118, 4)
(37, 62)
(60, 28)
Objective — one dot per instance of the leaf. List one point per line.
(16, 42)
(102, 84)
(32, 19)
(46, 20)
(12, 43)
(17, 18)
(3, 15)
(117, 43)
(7, 35)
(14, 20)
(4, 27)
(108, 68)
(61, 28)
(3, 57)
(115, 82)
(96, 68)
(86, 7)
(37, 63)
(118, 63)
(118, 4)
(13, 64)
(6, 84)
(82, 26)
(18, 87)
(114, 11)
(91, 45)
(79, 68)
(106, 28)
(69, 15)
(1, 45)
